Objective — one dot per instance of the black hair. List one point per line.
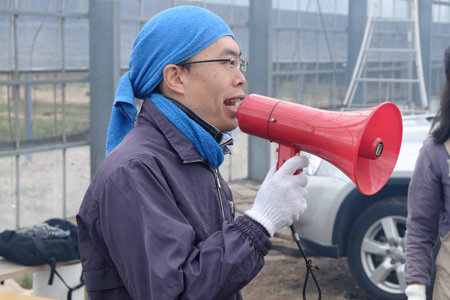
(440, 129)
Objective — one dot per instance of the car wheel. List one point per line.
(376, 250)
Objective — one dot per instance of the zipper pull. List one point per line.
(216, 175)
(233, 210)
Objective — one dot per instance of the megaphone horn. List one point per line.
(364, 144)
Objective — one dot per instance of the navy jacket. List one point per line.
(151, 225)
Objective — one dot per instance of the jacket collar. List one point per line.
(181, 144)
(221, 138)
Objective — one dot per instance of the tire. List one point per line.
(376, 250)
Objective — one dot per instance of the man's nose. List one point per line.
(240, 78)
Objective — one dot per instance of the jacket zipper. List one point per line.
(216, 176)
(219, 187)
(232, 209)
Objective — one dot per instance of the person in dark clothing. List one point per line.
(158, 220)
(429, 193)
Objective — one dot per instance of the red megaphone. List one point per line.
(363, 144)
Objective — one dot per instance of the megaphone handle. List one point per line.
(286, 152)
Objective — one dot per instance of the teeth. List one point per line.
(232, 102)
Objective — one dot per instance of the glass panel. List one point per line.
(41, 187)
(7, 53)
(44, 119)
(6, 114)
(77, 177)
(7, 193)
(77, 6)
(76, 43)
(39, 42)
(77, 109)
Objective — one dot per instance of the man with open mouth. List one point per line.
(158, 220)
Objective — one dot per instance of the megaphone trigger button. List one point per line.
(273, 120)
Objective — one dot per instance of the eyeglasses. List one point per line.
(236, 62)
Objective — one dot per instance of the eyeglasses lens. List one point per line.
(241, 64)
(238, 63)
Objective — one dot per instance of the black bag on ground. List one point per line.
(41, 244)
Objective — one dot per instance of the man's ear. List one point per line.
(173, 82)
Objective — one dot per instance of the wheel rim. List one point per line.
(382, 254)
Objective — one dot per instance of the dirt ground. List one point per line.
(283, 275)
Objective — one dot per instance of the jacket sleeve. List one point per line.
(422, 224)
(153, 245)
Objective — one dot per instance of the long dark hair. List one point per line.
(440, 129)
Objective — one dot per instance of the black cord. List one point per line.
(52, 263)
(309, 265)
(71, 289)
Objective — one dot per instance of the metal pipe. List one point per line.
(64, 125)
(16, 11)
(16, 99)
(17, 82)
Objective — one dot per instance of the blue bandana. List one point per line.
(205, 144)
(170, 37)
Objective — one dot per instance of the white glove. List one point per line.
(416, 292)
(281, 199)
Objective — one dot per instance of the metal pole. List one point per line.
(29, 111)
(357, 19)
(259, 79)
(16, 99)
(424, 9)
(104, 72)
(63, 102)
